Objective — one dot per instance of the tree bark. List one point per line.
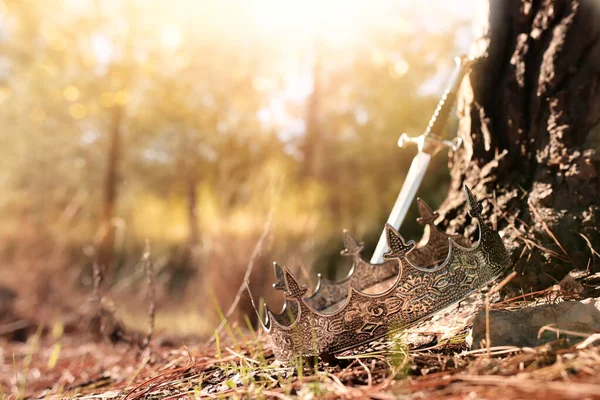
(529, 117)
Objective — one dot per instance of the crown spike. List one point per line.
(475, 207)
(398, 247)
(293, 289)
(362, 275)
(271, 319)
(279, 276)
(353, 247)
(428, 216)
(319, 282)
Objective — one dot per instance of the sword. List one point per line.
(429, 143)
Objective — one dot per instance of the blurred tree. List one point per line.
(167, 120)
(311, 146)
(200, 130)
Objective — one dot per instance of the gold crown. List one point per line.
(341, 315)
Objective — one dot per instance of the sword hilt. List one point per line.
(430, 141)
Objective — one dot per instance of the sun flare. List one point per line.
(337, 22)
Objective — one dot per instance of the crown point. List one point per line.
(474, 205)
(279, 276)
(293, 288)
(398, 247)
(352, 246)
(266, 315)
(428, 216)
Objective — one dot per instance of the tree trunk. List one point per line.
(530, 121)
(311, 146)
(111, 179)
(194, 231)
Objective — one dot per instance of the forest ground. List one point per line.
(54, 363)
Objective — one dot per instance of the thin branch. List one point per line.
(255, 253)
(594, 252)
(591, 339)
(13, 326)
(556, 329)
(547, 229)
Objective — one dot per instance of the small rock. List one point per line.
(569, 284)
(520, 328)
(447, 323)
(7, 298)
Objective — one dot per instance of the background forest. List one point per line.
(187, 123)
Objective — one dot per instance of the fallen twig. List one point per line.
(571, 388)
(13, 327)
(558, 331)
(589, 244)
(547, 229)
(591, 339)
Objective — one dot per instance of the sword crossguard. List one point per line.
(430, 143)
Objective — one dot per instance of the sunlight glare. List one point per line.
(103, 48)
(399, 68)
(170, 36)
(338, 22)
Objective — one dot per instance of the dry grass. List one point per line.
(240, 365)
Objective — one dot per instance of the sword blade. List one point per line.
(403, 202)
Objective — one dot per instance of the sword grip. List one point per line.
(446, 103)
